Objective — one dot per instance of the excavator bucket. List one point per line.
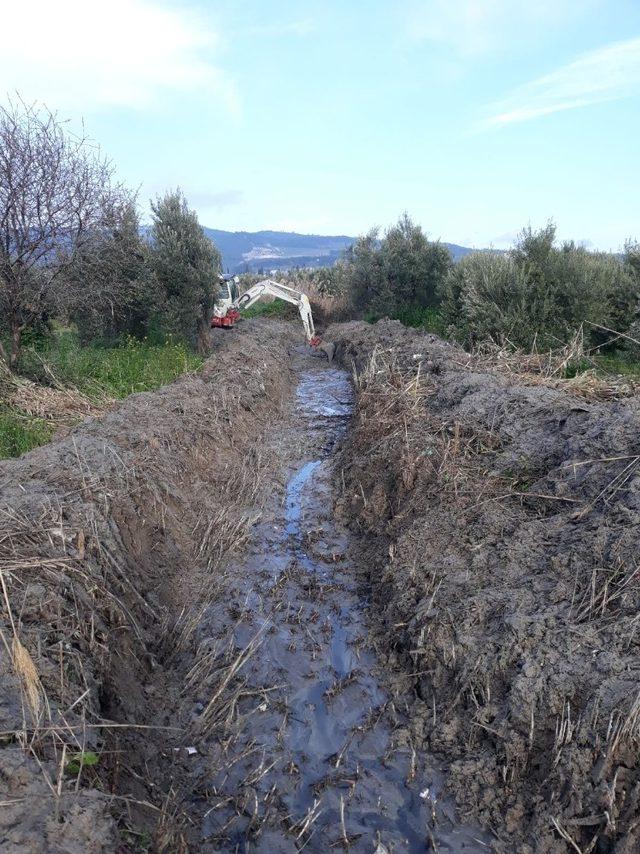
(329, 348)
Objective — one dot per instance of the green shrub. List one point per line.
(402, 271)
(486, 296)
(538, 293)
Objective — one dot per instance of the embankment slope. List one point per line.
(110, 541)
(500, 524)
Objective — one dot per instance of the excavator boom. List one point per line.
(226, 312)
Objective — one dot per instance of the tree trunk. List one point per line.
(204, 347)
(16, 345)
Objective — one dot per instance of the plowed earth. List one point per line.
(270, 608)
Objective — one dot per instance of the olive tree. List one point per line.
(539, 292)
(124, 295)
(186, 265)
(53, 188)
(367, 284)
(401, 270)
(414, 265)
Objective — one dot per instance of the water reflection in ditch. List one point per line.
(324, 763)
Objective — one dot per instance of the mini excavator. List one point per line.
(230, 303)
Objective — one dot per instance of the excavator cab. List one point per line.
(225, 310)
(228, 288)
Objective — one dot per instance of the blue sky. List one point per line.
(476, 116)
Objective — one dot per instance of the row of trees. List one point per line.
(542, 292)
(538, 292)
(71, 246)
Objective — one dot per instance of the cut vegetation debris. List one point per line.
(110, 544)
(500, 522)
(168, 644)
(571, 368)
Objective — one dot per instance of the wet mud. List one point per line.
(316, 753)
(265, 605)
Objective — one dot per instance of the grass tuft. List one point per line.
(276, 308)
(20, 433)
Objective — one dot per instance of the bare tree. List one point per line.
(53, 191)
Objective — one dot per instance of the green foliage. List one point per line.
(186, 265)
(401, 271)
(414, 266)
(20, 433)
(367, 285)
(82, 759)
(620, 362)
(275, 308)
(538, 293)
(489, 296)
(111, 290)
(327, 281)
(429, 319)
(97, 371)
(118, 371)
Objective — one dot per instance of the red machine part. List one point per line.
(230, 318)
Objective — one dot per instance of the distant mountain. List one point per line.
(251, 251)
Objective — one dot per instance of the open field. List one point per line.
(390, 602)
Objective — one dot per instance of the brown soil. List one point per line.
(501, 521)
(110, 542)
(181, 601)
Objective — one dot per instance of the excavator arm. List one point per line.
(268, 286)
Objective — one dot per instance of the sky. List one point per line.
(477, 117)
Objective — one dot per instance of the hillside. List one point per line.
(251, 251)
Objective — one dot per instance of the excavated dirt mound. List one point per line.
(110, 541)
(500, 527)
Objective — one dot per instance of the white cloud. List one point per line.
(475, 27)
(606, 74)
(505, 240)
(83, 55)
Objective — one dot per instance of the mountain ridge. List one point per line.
(255, 251)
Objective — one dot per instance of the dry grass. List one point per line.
(327, 308)
(113, 538)
(550, 368)
(393, 414)
(56, 403)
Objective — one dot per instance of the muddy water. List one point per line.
(315, 750)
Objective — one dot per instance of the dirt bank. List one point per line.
(501, 524)
(187, 657)
(110, 543)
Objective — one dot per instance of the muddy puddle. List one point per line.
(315, 751)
